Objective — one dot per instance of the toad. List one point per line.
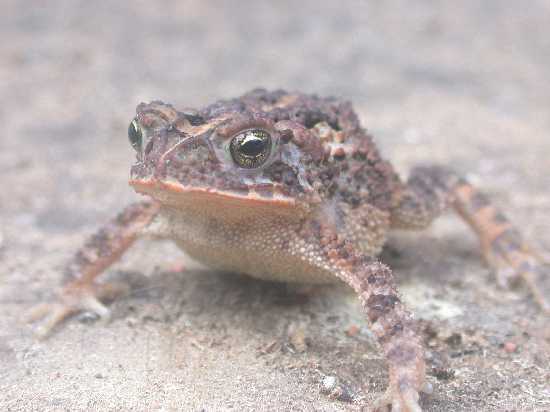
(289, 187)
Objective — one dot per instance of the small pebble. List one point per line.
(510, 347)
(270, 347)
(87, 317)
(353, 330)
(329, 382)
(454, 340)
(336, 390)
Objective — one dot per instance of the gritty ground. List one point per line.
(466, 85)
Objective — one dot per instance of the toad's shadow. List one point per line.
(215, 296)
(210, 296)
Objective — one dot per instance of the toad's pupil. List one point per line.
(251, 148)
(252, 145)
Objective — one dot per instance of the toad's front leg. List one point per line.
(396, 333)
(80, 292)
(389, 320)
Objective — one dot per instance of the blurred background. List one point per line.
(461, 83)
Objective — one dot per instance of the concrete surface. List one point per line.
(462, 83)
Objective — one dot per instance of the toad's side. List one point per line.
(289, 187)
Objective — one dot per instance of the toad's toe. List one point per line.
(72, 300)
(405, 400)
(514, 261)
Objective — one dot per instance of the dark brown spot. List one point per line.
(149, 147)
(193, 117)
(339, 153)
(402, 354)
(443, 374)
(286, 135)
(359, 154)
(380, 305)
(394, 330)
(398, 327)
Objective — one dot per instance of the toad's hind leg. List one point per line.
(431, 190)
(80, 291)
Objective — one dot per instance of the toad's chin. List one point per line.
(176, 195)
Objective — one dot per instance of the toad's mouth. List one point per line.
(175, 194)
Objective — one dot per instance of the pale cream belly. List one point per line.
(275, 267)
(266, 246)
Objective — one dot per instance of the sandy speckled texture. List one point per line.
(466, 85)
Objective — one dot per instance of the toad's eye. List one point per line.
(135, 135)
(250, 148)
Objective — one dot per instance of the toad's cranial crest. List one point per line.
(294, 181)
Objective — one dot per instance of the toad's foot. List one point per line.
(81, 292)
(402, 401)
(72, 300)
(401, 398)
(513, 260)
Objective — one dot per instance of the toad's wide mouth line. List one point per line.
(175, 192)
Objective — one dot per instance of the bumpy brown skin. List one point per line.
(317, 211)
